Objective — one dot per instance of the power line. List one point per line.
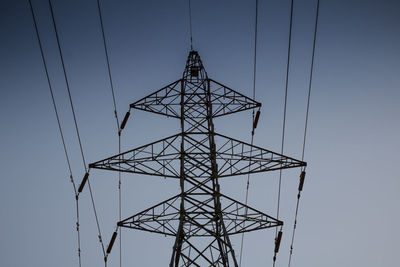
(246, 199)
(255, 52)
(108, 63)
(310, 81)
(254, 124)
(60, 130)
(67, 84)
(305, 133)
(120, 204)
(118, 127)
(284, 120)
(76, 125)
(285, 103)
(190, 24)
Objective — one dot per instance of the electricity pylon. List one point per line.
(200, 217)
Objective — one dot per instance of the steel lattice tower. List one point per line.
(200, 217)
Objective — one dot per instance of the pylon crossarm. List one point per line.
(226, 101)
(162, 158)
(240, 218)
(164, 101)
(160, 218)
(236, 157)
(163, 218)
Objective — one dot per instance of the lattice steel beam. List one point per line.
(166, 101)
(162, 158)
(163, 218)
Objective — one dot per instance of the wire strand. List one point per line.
(117, 123)
(67, 84)
(252, 132)
(255, 52)
(284, 117)
(310, 81)
(305, 128)
(285, 104)
(60, 131)
(108, 63)
(76, 125)
(120, 203)
(190, 25)
(246, 200)
(294, 230)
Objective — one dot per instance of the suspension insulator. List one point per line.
(111, 244)
(278, 241)
(256, 119)
(302, 177)
(84, 180)
(125, 120)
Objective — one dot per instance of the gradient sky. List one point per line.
(349, 214)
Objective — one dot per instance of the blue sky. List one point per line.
(349, 213)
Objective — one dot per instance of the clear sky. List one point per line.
(349, 213)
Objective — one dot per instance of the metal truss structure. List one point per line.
(200, 217)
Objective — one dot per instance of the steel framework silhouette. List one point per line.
(200, 217)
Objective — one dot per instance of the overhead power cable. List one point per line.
(108, 63)
(283, 127)
(61, 132)
(255, 52)
(67, 85)
(254, 124)
(76, 128)
(302, 176)
(310, 80)
(190, 24)
(119, 130)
